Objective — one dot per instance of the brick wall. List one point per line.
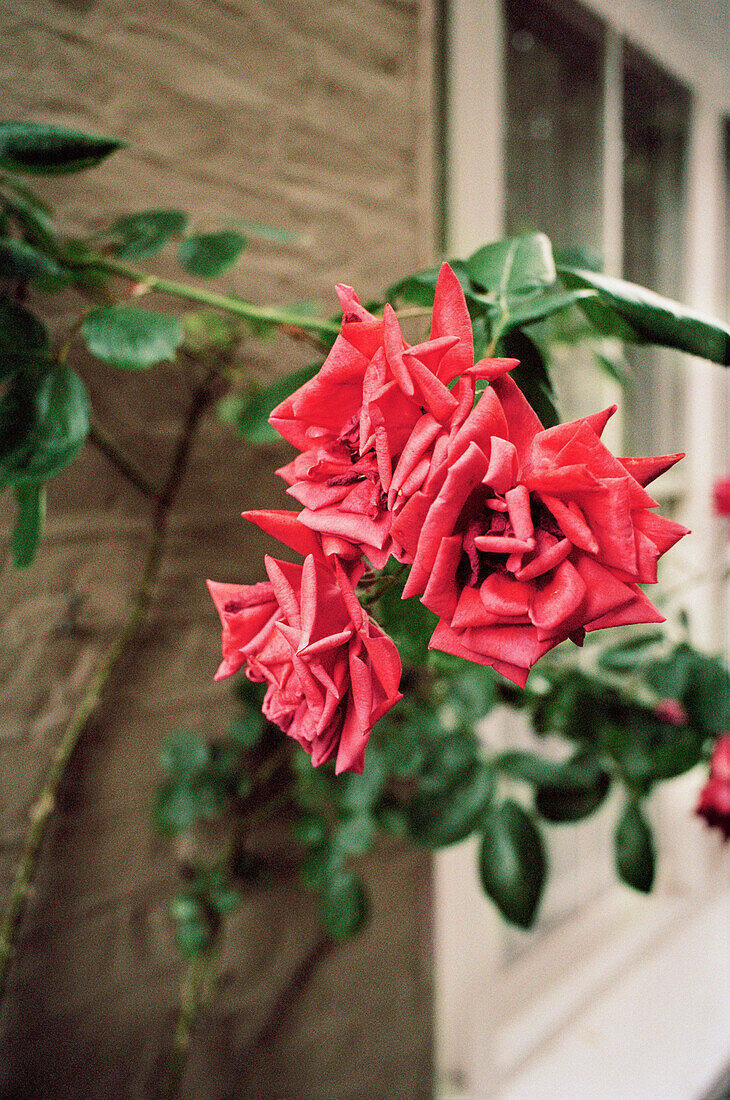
(315, 118)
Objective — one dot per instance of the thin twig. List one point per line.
(46, 802)
(126, 465)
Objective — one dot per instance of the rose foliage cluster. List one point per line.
(515, 536)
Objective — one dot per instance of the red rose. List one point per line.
(332, 673)
(527, 536)
(368, 424)
(721, 496)
(714, 801)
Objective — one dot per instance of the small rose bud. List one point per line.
(721, 496)
(671, 711)
(714, 801)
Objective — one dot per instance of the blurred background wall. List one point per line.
(316, 119)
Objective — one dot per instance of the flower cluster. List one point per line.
(517, 536)
(714, 801)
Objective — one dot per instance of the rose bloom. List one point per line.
(332, 672)
(714, 801)
(721, 496)
(523, 537)
(369, 423)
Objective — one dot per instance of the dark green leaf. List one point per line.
(451, 757)
(671, 677)
(633, 313)
(144, 234)
(625, 656)
(708, 699)
(249, 414)
(356, 835)
(21, 333)
(192, 938)
(208, 254)
(309, 830)
(408, 623)
(19, 260)
(581, 774)
(26, 536)
(446, 817)
(343, 906)
(393, 821)
(513, 266)
(175, 808)
(184, 754)
(132, 339)
(225, 900)
(362, 792)
(512, 863)
(33, 221)
(246, 730)
(560, 803)
(402, 752)
(43, 424)
(537, 309)
(531, 375)
(320, 864)
(39, 148)
(634, 848)
(472, 690)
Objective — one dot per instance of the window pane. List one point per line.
(656, 127)
(553, 161)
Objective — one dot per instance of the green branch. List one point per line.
(289, 321)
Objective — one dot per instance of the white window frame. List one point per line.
(515, 1032)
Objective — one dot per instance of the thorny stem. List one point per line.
(46, 802)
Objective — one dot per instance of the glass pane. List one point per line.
(656, 129)
(553, 162)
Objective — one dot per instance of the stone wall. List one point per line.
(315, 118)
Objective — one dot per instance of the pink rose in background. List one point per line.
(524, 537)
(721, 496)
(368, 424)
(671, 711)
(714, 801)
(332, 672)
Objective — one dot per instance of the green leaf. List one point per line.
(356, 835)
(708, 699)
(42, 149)
(184, 754)
(451, 757)
(207, 254)
(403, 753)
(631, 654)
(517, 265)
(634, 849)
(33, 221)
(175, 808)
(408, 623)
(225, 900)
(146, 233)
(132, 339)
(446, 817)
(562, 802)
(575, 776)
(249, 414)
(26, 536)
(246, 730)
(185, 907)
(320, 865)
(473, 691)
(362, 792)
(207, 331)
(192, 937)
(309, 830)
(21, 332)
(43, 424)
(633, 313)
(393, 821)
(537, 309)
(265, 232)
(512, 863)
(343, 906)
(19, 260)
(671, 677)
(531, 375)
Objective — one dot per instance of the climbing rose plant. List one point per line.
(451, 532)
